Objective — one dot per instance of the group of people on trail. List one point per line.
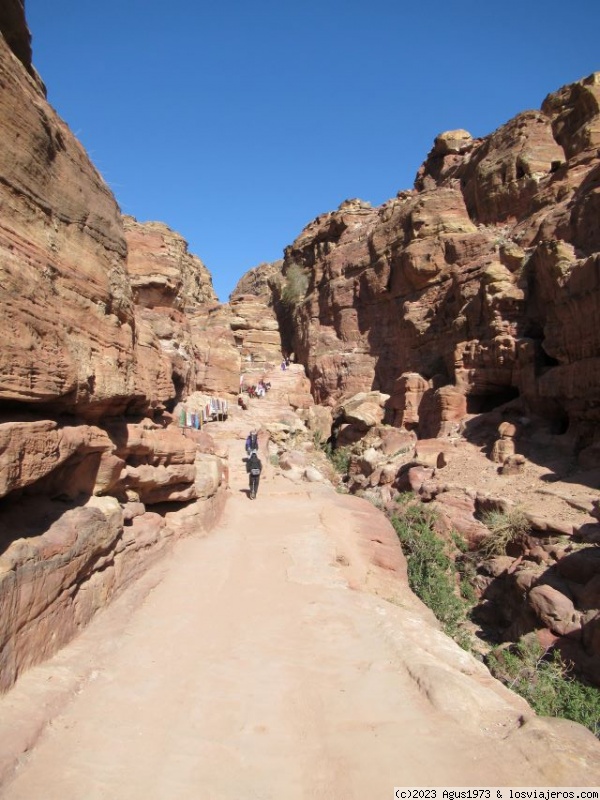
(259, 390)
(253, 463)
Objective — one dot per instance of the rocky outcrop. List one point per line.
(163, 273)
(167, 281)
(259, 281)
(255, 330)
(13, 26)
(96, 349)
(546, 587)
(217, 354)
(254, 321)
(65, 296)
(476, 287)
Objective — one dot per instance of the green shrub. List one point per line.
(318, 442)
(503, 527)
(467, 569)
(431, 571)
(295, 286)
(339, 457)
(546, 681)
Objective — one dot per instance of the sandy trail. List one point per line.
(250, 670)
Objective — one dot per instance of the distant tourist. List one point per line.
(251, 442)
(254, 468)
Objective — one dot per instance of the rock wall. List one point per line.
(254, 320)
(170, 285)
(483, 277)
(96, 349)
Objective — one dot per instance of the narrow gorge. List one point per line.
(444, 356)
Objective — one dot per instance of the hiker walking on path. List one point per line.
(251, 442)
(254, 468)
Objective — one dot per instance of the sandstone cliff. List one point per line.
(482, 278)
(96, 349)
(464, 314)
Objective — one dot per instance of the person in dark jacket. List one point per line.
(254, 468)
(251, 442)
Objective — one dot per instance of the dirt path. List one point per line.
(250, 670)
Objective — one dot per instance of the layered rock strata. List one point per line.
(171, 287)
(96, 349)
(254, 319)
(483, 278)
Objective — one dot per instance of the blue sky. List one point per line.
(237, 123)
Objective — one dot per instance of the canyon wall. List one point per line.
(95, 480)
(478, 286)
(254, 318)
(454, 333)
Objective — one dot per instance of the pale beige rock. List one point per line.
(313, 475)
(292, 459)
(502, 450)
(432, 453)
(364, 410)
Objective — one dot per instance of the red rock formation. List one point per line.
(256, 330)
(216, 351)
(162, 272)
(482, 278)
(93, 327)
(259, 281)
(254, 319)
(166, 281)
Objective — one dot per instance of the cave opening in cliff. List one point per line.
(560, 424)
(179, 386)
(482, 403)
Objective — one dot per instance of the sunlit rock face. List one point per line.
(483, 277)
(96, 347)
(162, 272)
(254, 320)
(65, 299)
(169, 284)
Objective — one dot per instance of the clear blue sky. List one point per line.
(237, 123)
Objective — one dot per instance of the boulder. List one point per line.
(364, 410)
(313, 475)
(554, 609)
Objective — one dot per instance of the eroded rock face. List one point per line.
(163, 273)
(255, 330)
(255, 323)
(482, 278)
(259, 281)
(96, 347)
(216, 352)
(66, 302)
(17, 36)
(167, 281)
(39, 579)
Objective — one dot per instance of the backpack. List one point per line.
(254, 465)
